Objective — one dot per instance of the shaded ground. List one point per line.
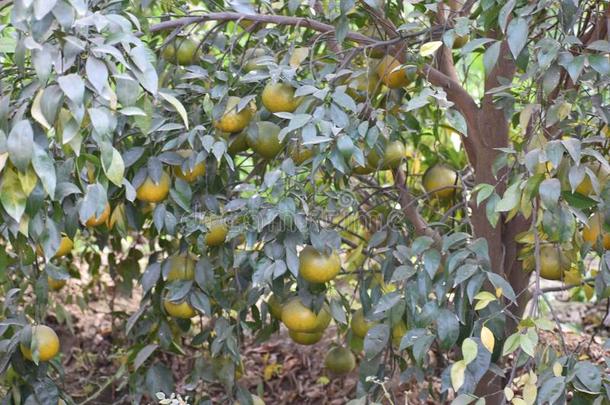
(285, 373)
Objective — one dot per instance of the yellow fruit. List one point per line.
(299, 318)
(65, 247)
(233, 120)
(182, 310)
(181, 267)
(594, 228)
(316, 267)
(391, 74)
(363, 86)
(55, 285)
(360, 326)
(265, 142)
(256, 59)
(340, 360)
(440, 181)
(279, 97)
(275, 306)
(586, 186)
(149, 191)
(191, 172)
(217, 233)
(93, 221)
(393, 155)
(305, 338)
(552, 262)
(45, 341)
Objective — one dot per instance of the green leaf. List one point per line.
(517, 36)
(550, 190)
(12, 197)
(143, 355)
(458, 370)
(73, 87)
(159, 379)
(511, 198)
(511, 344)
(20, 144)
(529, 341)
(376, 340)
(43, 165)
(113, 165)
(177, 105)
(429, 48)
(448, 328)
(469, 350)
(551, 390)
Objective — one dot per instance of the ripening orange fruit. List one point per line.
(440, 181)
(316, 267)
(279, 97)
(233, 120)
(391, 73)
(93, 221)
(182, 310)
(299, 318)
(594, 228)
(153, 192)
(45, 341)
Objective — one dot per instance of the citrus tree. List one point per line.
(411, 171)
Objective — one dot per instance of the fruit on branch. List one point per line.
(191, 173)
(265, 141)
(316, 267)
(93, 221)
(299, 153)
(586, 186)
(256, 59)
(182, 310)
(237, 143)
(594, 229)
(279, 97)
(391, 72)
(233, 120)
(275, 306)
(393, 154)
(553, 262)
(56, 285)
(181, 267)
(154, 192)
(299, 318)
(340, 360)
(460, 40)
(217, 232)
(45, 342)
(398, 331)
(363, 86)
(182, 51)
(305, 338)
(440, 181)
(360, 326)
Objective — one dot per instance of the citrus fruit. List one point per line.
(233, 120)
(594, 228)
(391, 73)
(300, 153)
(217, 233)
(183, 51)
(275, 306)
(439, 181)
(279, 97)
(586, 186)
(237, 143)
(317, 267)
(305, 338)
(190, 172)
(299, 318)
(149, 191)
(182, 310)
(340, 360)
(393, 154)
(256, 59)
(552, 262)
(360, 326)
(363, 86)
(460, 40)
(55, 285)
(93, 221)
(45, 341)
(181, 267)
(265, 142)
(65, 246)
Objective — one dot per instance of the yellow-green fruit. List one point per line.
(237, 143)
(299, 318)
(340, 360)
(266, 142)
(275, 306)
(305, 338)
(55, 285)
(317, 267)
(279, 97)
(181, 267)
(360, 326)
(183, 51)
(393, 154)
(594, 228)
(93, 221)
(45, 341)
(391, 73)
(152, 192)
(217, 233)
(553, 262)
(191, 173)
(232, 120)
(65, 246)
(363, 86)
(256, 59)
(440, 181)
(182, 310)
